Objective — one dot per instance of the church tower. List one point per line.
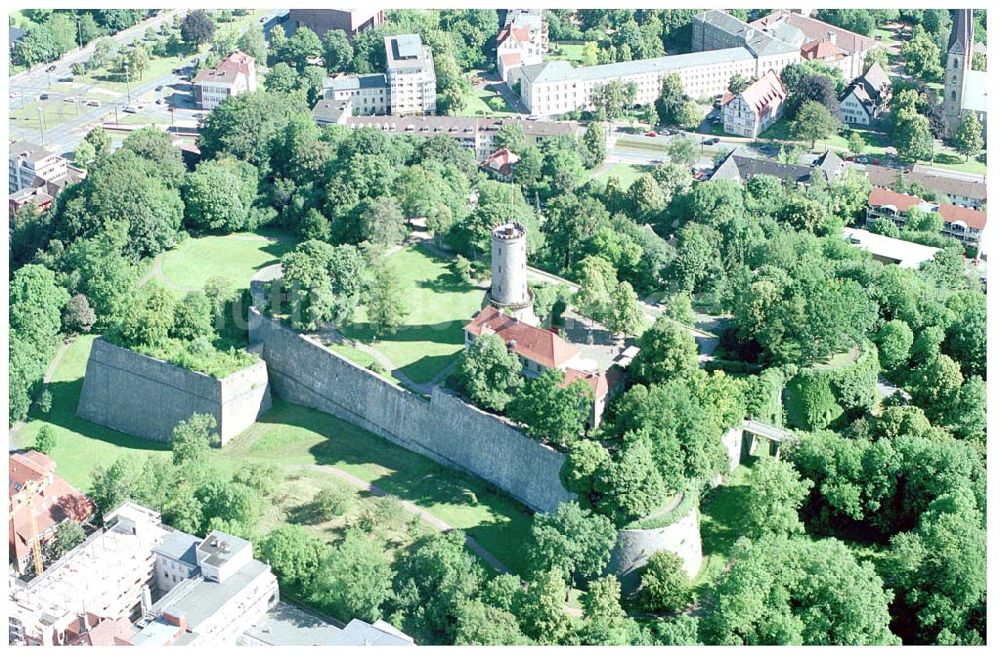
(959, 62)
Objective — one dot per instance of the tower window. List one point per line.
(953, 94)
(954, 63)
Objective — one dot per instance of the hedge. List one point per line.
(821, 396)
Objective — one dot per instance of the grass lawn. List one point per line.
(642, 143)
(572, 52)
(293, 435)
(80, 445)
(626, 174)
(438, 306)
(946, 158)
(296, 440)
(235, 256)
(481, 102)
(721, 519)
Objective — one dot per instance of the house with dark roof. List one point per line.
(740, 168)
(866, 99)
(966, 225)
(756, 108)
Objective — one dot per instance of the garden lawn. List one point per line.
(290, 435)
(721, 519)
(235, 256)
(572, 52)
(625, 174)
(438, 306)
(80, 445)
(481, 102)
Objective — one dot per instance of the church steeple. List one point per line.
(958, 62)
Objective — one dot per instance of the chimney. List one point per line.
(831, 36)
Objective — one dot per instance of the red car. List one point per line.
(651, 133)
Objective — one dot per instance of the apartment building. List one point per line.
(409, 72)
(140, 582)
(31, 166)
(964, 224)
(556, 87)
(368, 94)
(474, 133)
(234, 75)
(833, 45)
(408, 86)
(957, 191)
(756, 108)
(522, 41)
(866, 99)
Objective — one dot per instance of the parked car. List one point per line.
(159, 101)
(711, 140)
(131, 109)
(66, 79)
(656, 162)
(94, 103)
(43, 97)
(69, 99)
(159, 88)
(651, 133)
(51, 69)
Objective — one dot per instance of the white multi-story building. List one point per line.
(140, 582)
(556, 87)
(756, 108)
(31, 166)
(522, 41)
(408, 86)
(409, 72)
(368, 94)
(234, 75)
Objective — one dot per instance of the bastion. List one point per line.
(147, 397)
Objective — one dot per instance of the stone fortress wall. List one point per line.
(444, 428)
(147, 397)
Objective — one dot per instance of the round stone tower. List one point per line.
(510, 266)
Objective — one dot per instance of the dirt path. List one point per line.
(431, 519)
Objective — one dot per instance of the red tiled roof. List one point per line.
(502, 161)
(598, 382)
(227, 70)
(884, 197)
(511, 59)
(538, 345)
(56, 501)
(821, 50)
(763, 94)
(971, 217)
(816, 29)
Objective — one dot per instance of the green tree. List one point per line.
(68, 535)
(299, 48)
(387, 308)
(551, 411)
(594, 145)
(598, 281)
(540, 608)
(737, 83)
(295, 555)
(913, 138)
(45, 440)
(479, 623)
(197, 28)
(855, 143)
(969, 136)
(253, 43)
(664, 586)
(193, 438)
(774, 497)
(894, 341)
(355, 578)
(490, 373)
(689, 116)
(219, 195)
(814, 121)
(624, 315)
(795, 591)
(575, 541)
(922, 56)
(939, 571)
(333, 501)
(337, 51)
(382, 222)
(666, 350)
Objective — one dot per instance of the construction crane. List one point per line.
(36, 544)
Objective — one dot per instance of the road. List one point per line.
(64, 137)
